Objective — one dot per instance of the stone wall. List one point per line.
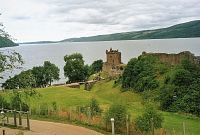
(174, 59)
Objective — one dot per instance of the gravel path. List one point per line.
(52, 128)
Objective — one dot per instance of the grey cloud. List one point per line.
(133, 14)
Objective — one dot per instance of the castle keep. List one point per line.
(113, 64)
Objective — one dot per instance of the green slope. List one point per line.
(4, 42)
(106, 95)
(184, 30)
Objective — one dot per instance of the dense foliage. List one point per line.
(119, 113)
(140, 74)
(96, 66)
(74, 68)
(177, 87)
(150, 119)
(181, 89)
(36, 77)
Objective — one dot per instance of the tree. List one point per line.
(119, 113)
(94, 107)
(17, 102)
(8, 59)
(149, 118)
(140, 74)
(74, 68)
(23, 80)
(38, 73)
(5, 38)
(51, 72)
(96, 66)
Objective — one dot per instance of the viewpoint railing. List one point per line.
(14, 118)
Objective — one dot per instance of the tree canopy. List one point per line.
(96, 66)
(40, 76)
(74, 68)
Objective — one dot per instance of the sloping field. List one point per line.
(106, 94)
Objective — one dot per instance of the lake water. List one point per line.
(35, 55)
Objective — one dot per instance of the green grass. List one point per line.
(106, 94)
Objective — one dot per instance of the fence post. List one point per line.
(28, 122)
(20, 119)
(89, 115)
(15, 118)
(113, 125)
(127, 125)
(152, 126)
(183, 128)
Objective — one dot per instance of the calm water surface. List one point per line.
(35, 55)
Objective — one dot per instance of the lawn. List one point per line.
(106, 94)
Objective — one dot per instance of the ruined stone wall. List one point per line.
(174, 59)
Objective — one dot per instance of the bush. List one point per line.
(144, 122)
(119, 113)
(94, 106)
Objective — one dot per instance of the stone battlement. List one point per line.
(175, 59)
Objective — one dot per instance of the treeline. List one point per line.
(177, 88)
(40, 76)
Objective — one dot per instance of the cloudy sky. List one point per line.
(34, 20)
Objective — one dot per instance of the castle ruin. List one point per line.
(174, 59)
(113, 65)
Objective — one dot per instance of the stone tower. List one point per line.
(113, 65)
(113, 57)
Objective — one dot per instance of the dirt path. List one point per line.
(51, 128)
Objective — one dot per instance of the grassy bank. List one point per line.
(106, 94)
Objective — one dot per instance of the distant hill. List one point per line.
(4, 42)
(39, 42)
(184, 30)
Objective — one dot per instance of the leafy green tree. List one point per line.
(140, 74)
(96, 66)
(24, 80)
(9, 60)
(51, 72)
(119, 113)
(5, 38)
(4, 102)
(180, 91)
(17, 102)
(74, 68)
(149, 117)
(38, 73)
(94, 107)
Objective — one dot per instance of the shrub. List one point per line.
(119, 113)
(144, 122)
(94, 107)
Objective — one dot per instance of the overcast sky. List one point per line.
(34, 20)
